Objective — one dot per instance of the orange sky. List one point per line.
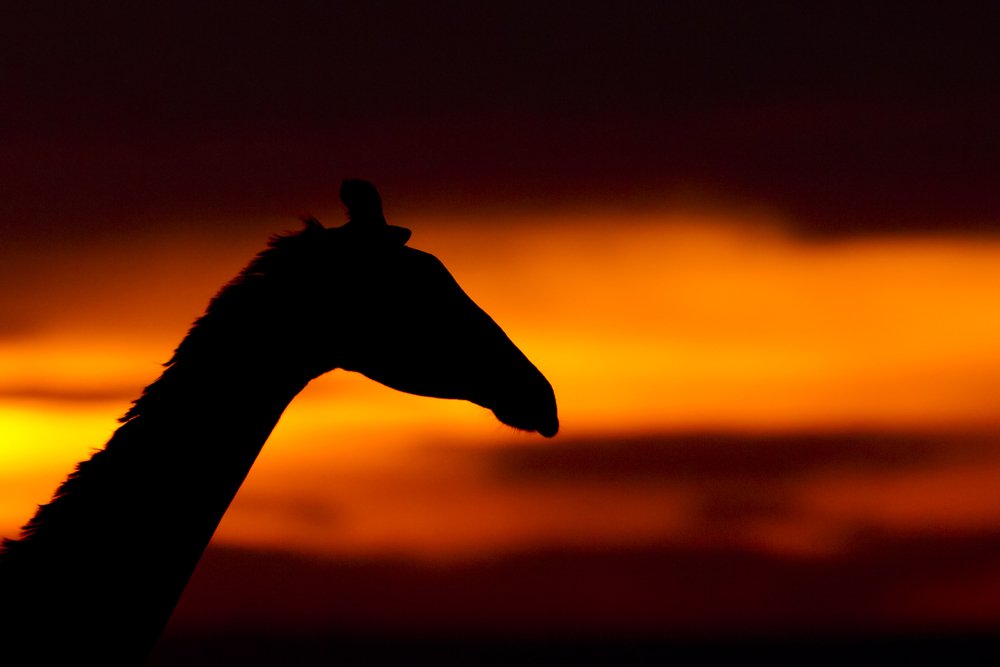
(650, 325)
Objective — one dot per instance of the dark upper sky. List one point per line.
(849, 117)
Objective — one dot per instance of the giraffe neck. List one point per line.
(126, 530)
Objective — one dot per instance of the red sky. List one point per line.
(754, 248)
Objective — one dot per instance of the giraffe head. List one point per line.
(401, 319)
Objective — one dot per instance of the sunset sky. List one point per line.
(755, 248)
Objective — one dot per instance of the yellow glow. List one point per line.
(40, 445)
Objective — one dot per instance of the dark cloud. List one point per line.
(881, 584)
(710, 459)
(302, 511)
(256, 648)
(733, 481)
(849, 117)
(733, 506)
(13, 326)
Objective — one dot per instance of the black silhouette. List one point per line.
(96, 573)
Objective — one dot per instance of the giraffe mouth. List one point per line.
(550, 429)
(528, 405)
(545, 424)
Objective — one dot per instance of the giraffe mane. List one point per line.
(282, 250)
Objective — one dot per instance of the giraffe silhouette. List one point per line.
(95, 575)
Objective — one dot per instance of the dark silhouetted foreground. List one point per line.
(97, 572)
